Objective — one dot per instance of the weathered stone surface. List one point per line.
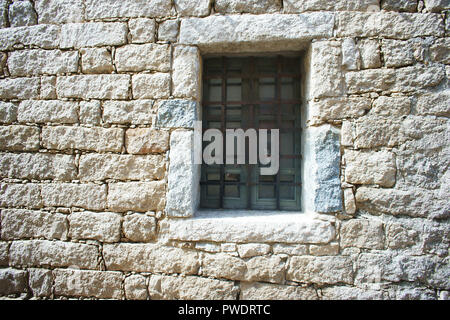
(262, 227)
(436, 5)
(96, 60)
(290, 249)
(81, 138)
(224, 266)
(398, 237)
(20, 195)
(249, 250)
(434, 104)
(136, 196)
(320, 270)
(331, 249)
(177, 113)
(394, 106)
(208, 247)
(12, 281)
(48, 88)
(84, 283)
(19, 138)
(105, 86)
(350, 54)
(326, 77)
(19, 88)
(44, 36)
(267, 291)
(337, 109)
(251, 6)
(146, 57)
(198, 8)
(45, 111)
(440, 276)
(146, 140)
(183, 188)
(139, 227)
(93, 34)
(190, 288)
(36, 62)
(168, 30)
(4, 13)
(266, 269)
(17, 224)
(88, 196)
(94, 167)
(186, 72)
(389, 25)
(439, 51)
(135, 287)
(101, 226)
(436, 237)
(400, 5)
(21, 13)
(254, 32)
(56, 11)
(352, 293)
(8, 112)
(150, 258)
(292, 6)
(127, 8)
(370, 53)
(40, 282)
(151, 86)
(398, 53)
(370, 168)
(362, 233)
(128, 112)
(90, 112)
(4, 253)
(142, 30)
(35, 253)
(414, 293)
(394, 80)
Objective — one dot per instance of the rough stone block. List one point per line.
(137, 196)
(331, 249)
(320, 270)
(249, 250)
(349, 201)
(20, 195)
(398, 53)
(399, 237)
(44, 36)
(337, 108)
(128, 8)
(12, 281)
(177, 113)
(436, 5)
(19, 138)
(38, 61)
(266, 269)
(47, 111)
(293, 6)
(168, 30)
(59, 12)
(93, 34)
(290, 249)
(19, 88)
(250, 6)
(142, 30)
(81, 138)
(48, 88)
(128, 112)
(223, 266)
(362, 233)
(436, 104)
(395, 106)
(42, 253)
(439, 51)
(8, 112)
(151, 86)
(197, 8)
(399, 5)
(87, 196)
(352, 293)
(267, 291)
(186, 72)
(146, 140)
(18, 224)
(40, 282)
(4, 246)
(150, 258)
(90, 112)
(105, 86)
(101, 226)
(146, 57)
(96, 60)
(370, 54)
(135, 287)
(350, 54)
(139, 227)
(190, 288)
(84, 283)
(4, 13)
(21, 13)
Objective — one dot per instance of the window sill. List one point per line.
(245, 226)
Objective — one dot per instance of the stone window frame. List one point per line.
(321, 187)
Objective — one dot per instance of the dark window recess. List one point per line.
(259, 93)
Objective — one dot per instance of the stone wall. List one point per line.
(97, 103)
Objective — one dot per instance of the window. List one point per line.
(260, 92)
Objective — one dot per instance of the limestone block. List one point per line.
(96, 60)
(399, 237)
(135, 287)
(150, 258)
(20, 195)
(223, 266)
(293, 6)
(46, 111)
(8, 112)
(84, 283)
(48, 88)
(93, 34)
(21, 13)
(208, 247)
(90, 112)
(104, 86)
(362, 233)
(350, 54)
(4, 246)
(19, 138)
(290, 249)
(331, 109)
(395, 106)
(268, 291)
(128, 112)
(142, 30)
(12, 281)
(59, 12)
(168, 30)
(95, 167)
(151, 86)
(249, 250)
(87, 196)
(137, 196)
(17, 224)
(4, 13)
(266, 268)
(252, 6)
(400, 5)
(19, 88)
(349, 201)
(352, 293)
(177, 113)
(44, 36)
(101, 226)
(128, 8)
(146, 140)
(36, 62)
(139, 227)
(370, 54)
(439, 51)
(40, 282)
(198, 8)
(146, 57)
(81, 138)
(436, 5)
(36, 253)
(331, 249)
(190, 288)
(186, 72)
(398, 53)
